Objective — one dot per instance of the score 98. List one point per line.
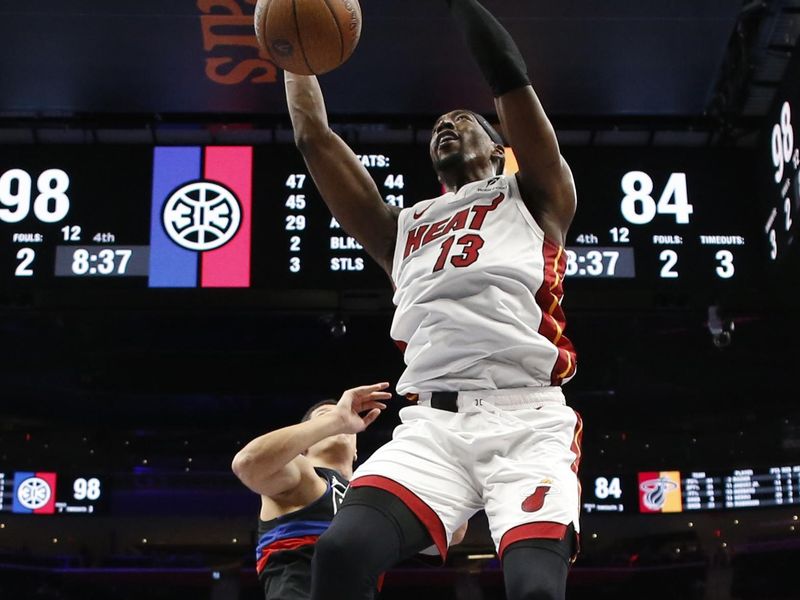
(86, 489)
(782, 142)
(51, 203)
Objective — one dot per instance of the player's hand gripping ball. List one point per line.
(308, 37)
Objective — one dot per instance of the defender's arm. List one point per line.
(273, 465)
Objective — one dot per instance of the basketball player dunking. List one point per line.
(478, 275)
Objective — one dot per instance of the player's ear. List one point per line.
(499, 158)
(499, 151)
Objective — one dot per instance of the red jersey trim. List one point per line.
(280, 545)
(544, 530)
(422, 511)
(553, 324)
(577, 440)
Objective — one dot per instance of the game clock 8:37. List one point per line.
(122, 217)
(661, 218)
(71, 212)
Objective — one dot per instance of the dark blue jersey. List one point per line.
(286, 544)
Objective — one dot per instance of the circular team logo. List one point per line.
(202, 216)
(655, 491)
(34, 493)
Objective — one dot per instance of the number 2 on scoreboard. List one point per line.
(25, 257)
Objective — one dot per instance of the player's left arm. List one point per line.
(545, 178)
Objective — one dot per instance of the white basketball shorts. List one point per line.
(513, 453)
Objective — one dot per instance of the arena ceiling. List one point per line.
(679, 58)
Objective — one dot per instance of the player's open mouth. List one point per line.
(446, 137)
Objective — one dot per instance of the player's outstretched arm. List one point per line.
(273, 464)
(545, 178)
(343, 182)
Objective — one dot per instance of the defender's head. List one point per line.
(462, 138)
(344, 443)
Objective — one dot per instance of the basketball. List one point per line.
(308, 37)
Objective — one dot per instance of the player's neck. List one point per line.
(338, 461)
(456, 179)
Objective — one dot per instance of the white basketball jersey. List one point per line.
(478, 294)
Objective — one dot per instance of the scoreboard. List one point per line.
(150, 218)
(779, 168)
(676, 491)
(48, 493)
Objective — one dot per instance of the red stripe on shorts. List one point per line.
(422, 511)
(576, 449)
(543, 530)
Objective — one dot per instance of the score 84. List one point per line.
(50, 204)
(603, 488)
(640, 208)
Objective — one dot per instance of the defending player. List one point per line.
(301, 473)
(478, 275)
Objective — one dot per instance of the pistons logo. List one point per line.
(535, 501)
(202, 216)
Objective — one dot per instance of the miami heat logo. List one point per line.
(655, 491)
(535, 501)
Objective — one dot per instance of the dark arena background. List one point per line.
(132, 368)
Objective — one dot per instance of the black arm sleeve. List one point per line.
(496, 53)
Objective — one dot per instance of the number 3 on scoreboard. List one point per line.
(25, 257)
